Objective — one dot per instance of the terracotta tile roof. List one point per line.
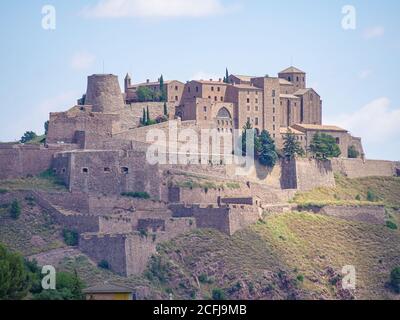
(246, 87)
(305, 127)
(292, 70)
(243, 78)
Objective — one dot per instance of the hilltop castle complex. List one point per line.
(98, 149)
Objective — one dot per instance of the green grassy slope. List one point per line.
(287, 256)
(386, 190)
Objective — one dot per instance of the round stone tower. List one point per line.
(104, 93)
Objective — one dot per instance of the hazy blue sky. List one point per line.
(355, 71)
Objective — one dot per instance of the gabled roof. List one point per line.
(292, 70)
(108, 288)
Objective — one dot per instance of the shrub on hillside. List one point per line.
(395, 279)
(68, 287)
(15, 210)
(71, 237)
(218, 294)
(139, 195)
(371, 196)
(14, 278)
(391, 225)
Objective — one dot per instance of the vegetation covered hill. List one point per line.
(293, 255)
(287, 256)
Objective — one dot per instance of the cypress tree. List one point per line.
(165, 109)
(148, 116)
(144, 120)
(226, 76)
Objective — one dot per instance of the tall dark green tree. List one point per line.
(267, 155)
(291, 146)
(46, 127)
(144, 119)
(148, 116)
(165, 109)
(226, 76)
(253, 144)
(163, 93)
(324, 146)
(14, 277)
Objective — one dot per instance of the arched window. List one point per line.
(224, 113)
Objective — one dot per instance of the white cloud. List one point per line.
(375, 122)
(205, 76)
(374, 32)
(156, 8)
(364, 74)
(82, 60)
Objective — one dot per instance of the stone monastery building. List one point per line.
(268, 103)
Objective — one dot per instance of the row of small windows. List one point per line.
(226, 122)
(212, 89)
(123, 170)
(225, 130)
(297, 79)
(248, 100)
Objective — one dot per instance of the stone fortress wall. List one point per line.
(99, 152)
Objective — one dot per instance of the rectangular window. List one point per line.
(273, 110)
(205, 109)
(273, 93)
(197, 89)
(176, 88)
(216, 98)
(256, 100)
(222, 99)
(273, 101)
(218, 89)
(256, 108)
(248, 119)
(176, 98)
(248, 100)
(212, 88)
(256, 121)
